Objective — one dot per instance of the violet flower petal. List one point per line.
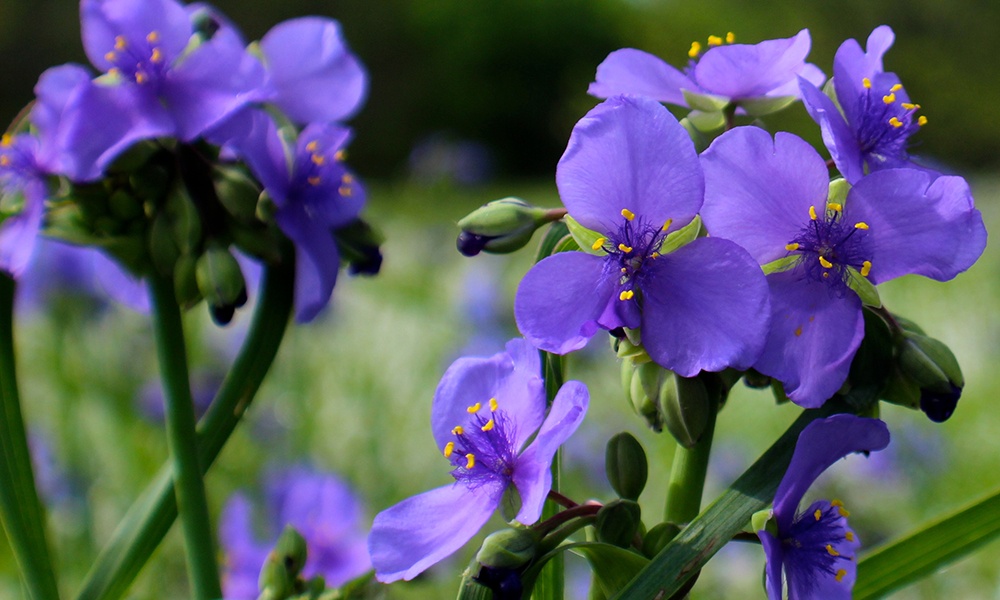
(629, 152)
(103, 21)
(317, 260)
(533, 473)
(744, 71)
(420, 531)
(851, 65)
(813, 338)
(18, 233)
(705, 307)
(631, 71)
(775, 554)
(838, 137)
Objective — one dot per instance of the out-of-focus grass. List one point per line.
(351, 393)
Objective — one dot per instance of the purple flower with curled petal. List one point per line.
(631, 174)
(484, 411)
(727, 71)
(771, 197)
(878, 117)
(320, 506)
(815, 548)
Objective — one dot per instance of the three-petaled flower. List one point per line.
(771, 197)
(878, 117)
(631, 174)
(484, 411)
(815, 548)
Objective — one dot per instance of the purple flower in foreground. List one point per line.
(319, 506)
(631, 174)
(734, 72)
(878, 117)
(484, 443)
(771, 197)
(815, 547)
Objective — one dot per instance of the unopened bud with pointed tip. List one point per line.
(626, 466)
(646, 405)
(510, 548)
(237, 192)
(617, 522)
(220, 281)
(502, 226)
(933, 367)
(686, 405)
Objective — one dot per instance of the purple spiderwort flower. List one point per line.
(771, 197)
(631, 174)
(313, 191)
(815, 548)
(878, 117)
(320, 506)
(484, 443)
(733, 72)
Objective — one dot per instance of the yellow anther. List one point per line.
(896, 87)
(667, 224)
(457, 430)
(114, 72)
(152, 37)
(6, 140)
(312, 146)
(156, 56)
(834, 206)
(110, 57)
(836, 503)
(889, 98)
(340, 155)
(843, 512)
(493, 404)
(488, 426)
(345, 191)
(866, 268)
(818, 514)
(654, 255)
(598, 243)
(347, 178)
(841, 573)
(861, 225)
(448, 449)
(831, 550)
(120, 42)
(798, 332)
(826, 264)
(629, 215)
(4, 161)
(714, 40)
(895, 122)
(909, 105)
(470, 460)
(318, 159)
(695, 49)
(474, 408)
(626, 295)
(849, 536)
(730, 37)
(314, 180)
(867, 83)
(140, 77)
(812, 213)
(624, 270)
(791, 247)
(624, 248)
(922, 120)
(840, 508)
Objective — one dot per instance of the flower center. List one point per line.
(17, 161)
(819, 541)
(713, 40)
(635, 242)
(483, 449)
(140, 61)
(830, 244)
(886, 124)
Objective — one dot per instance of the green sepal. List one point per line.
(585, 238)
(901, 390)
(626, 466)
(618, 521)
(764, 105)
(838, 191)
(625, 349)
(553, 236)
(781, 265)
(764, 519)
(613, 567)
(685, 404)
(684, 235)
(707, 121)
(510, 548)
(864, 288)
(705, 102)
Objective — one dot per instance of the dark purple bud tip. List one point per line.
(505, 583)
(222, 315)
(938, 406)
(470, 244)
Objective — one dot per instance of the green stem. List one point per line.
(551, 582)
(199, 545)
(21, 512)
(687, 476)
(153, 513)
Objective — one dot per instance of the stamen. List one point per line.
(798, 333)
(861, 225)
(832, 550)
(598, 243)
(458, 430)
(345, 191)
(922, 121)
(867, 83)
(347, 178)
(624, 248)
(889, 98)
(474, 408)
(313, 180)
(470, 460)
(448, 449)
(834, 206)
(7, 140)
(866, 268)
(849, 536)
(908, 105)
(110, 57)
(812, 213)
(312, 146)
(626, 295)
(895, 122)
(488, 426)
(493, 404)
(4, 161)
(629, 215)
(791, 247)
(666, 225)
(840, 508)
(823, 261)
(730, 37)
(318, 159)
(153, 37)
(841, 573)
(896, 87)
(695, 49)
(140, 77)
(120, 42)
(157, 56)
(714, 40)
(818, 514)
(340, 155)
(114, 72)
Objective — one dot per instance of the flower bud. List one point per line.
(237, 193)
(273, 581)
(500, 226)
(617, 522)
(932, 366)
(291, 549)
(510, 548)
(163, 249)
(220, 281)
(686, 405)
(359, 245)
(645, 405)
(658, 537)
(626, 466)
(184, 219)
(492, 583)
(186, 281)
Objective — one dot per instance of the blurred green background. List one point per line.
(472, 101)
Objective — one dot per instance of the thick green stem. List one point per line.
(199, 546)
(551, 582)
(687, 476)
(153, 513)
(21, 512)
